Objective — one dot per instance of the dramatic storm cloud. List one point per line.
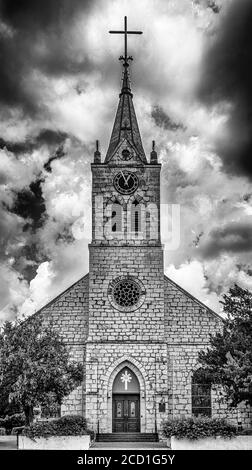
(34, 38)
(235, 237)
(226, 80)
(59, 84)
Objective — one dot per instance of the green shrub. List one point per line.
(197, 428)
(69, 425)
(13, 421)
(2, 431)
(1, 422)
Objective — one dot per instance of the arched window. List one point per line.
(201, 398)
(126, 381)
(136, 217)
(116, 217)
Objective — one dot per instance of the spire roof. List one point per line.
(125, 130)
(125, 124)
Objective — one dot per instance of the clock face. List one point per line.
(126, 182)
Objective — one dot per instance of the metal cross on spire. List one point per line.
(126, 32)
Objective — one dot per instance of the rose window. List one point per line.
(126, 293)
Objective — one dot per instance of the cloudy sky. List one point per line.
(59, 84)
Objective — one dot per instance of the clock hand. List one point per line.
(127, 179)
(123, 177)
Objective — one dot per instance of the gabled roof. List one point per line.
(187, 294)
(183, 291)
(52, 301)
(125, 124)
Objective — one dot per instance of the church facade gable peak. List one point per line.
(125, 153)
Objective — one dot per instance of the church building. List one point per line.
(136, 332)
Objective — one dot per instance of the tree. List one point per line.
(35, 366)
(228, 361)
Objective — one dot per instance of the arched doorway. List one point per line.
(126, 402)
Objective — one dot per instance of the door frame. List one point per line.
(126, 396)
(137, 368)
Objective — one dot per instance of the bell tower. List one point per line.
(126, 187)
(126, 276)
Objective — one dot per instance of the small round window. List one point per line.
(126, 293)
(126, 155)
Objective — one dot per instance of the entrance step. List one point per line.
(158, 446)
(127, 437)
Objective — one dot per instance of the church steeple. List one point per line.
(125, 126)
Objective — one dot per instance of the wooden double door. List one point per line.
(126, 413)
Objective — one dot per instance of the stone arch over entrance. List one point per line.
(112, 373)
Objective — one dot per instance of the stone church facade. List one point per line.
(136, 332)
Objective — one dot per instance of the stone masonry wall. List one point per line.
(242, 415)
(186, 319)
(182, 361)
(106, 323)
(69, 312)
(118, 334)
(147, 194)
(69, 315)
(149, 361)
(188, 325)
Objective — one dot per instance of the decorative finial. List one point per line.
(153, 155)
(97, 154)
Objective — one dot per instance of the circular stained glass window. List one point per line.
(126, 155)
(126, 293)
